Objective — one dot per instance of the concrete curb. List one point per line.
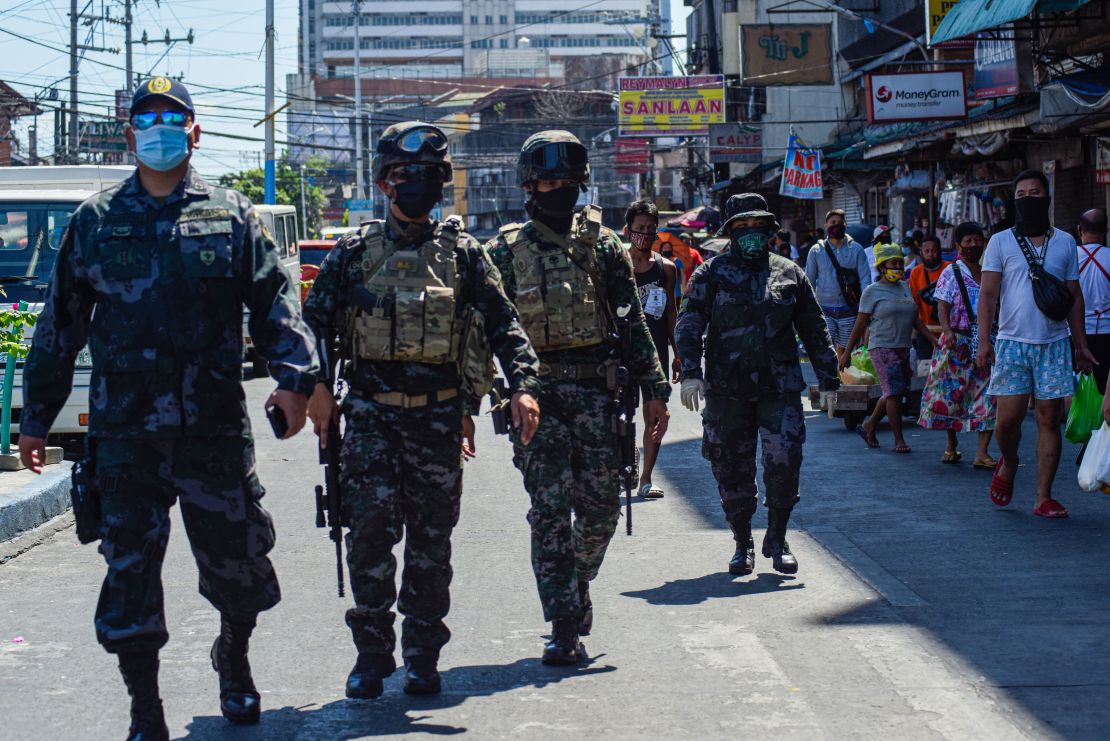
(30, 504)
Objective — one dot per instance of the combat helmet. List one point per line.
(553, 155)
(746, 206)
(411, 142)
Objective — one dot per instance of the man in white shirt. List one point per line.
(1094, 280)
(1033, 354)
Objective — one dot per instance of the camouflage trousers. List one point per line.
(229, 532)
(731, 427)
(571, 466)
(401, 475)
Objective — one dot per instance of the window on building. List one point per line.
(504, 43)
(504, 20)
(489, 20)
(474, 20)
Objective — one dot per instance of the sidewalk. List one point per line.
(28, 500)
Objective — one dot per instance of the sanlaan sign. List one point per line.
(671, 106)
(916, 96)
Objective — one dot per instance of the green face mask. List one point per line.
(750, 243)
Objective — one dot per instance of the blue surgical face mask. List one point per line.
(162, 147)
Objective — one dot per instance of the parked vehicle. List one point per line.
(280, 224)
(32, 223)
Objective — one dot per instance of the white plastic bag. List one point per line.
(1095, 467)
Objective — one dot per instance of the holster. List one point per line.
(86, 498)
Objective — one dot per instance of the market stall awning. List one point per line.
(969, 16)
(1073, 99)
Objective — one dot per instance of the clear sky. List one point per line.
(224, 67)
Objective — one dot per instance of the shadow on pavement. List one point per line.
(394, 713)
(1023, 601)
(713, 586)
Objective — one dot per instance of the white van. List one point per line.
(91, 178)
(32, 222)
(280, 224)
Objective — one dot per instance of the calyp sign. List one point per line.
(801, 172)
(734, 142)
(916, 96)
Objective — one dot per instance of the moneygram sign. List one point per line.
(916, 96)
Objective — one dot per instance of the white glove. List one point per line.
(693, 390)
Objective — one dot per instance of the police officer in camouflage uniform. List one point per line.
(153, 273)
(747, 304)
(568, 276)
(405, 298)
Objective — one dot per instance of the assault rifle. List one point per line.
(499, 399)
(329, 498)
(625, 402)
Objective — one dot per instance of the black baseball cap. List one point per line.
(163, 87)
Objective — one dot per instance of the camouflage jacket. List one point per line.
(749, 319)
(619, 288)
(326, 311)
(157, 291)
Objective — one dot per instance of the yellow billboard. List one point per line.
(671, 106)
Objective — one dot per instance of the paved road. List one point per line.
(921, 611)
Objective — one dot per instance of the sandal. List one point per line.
(1051, 509)
(986, 464)
(952, 456)
(871, 443)
(651, 491)
(903, 448)
(1002, 491)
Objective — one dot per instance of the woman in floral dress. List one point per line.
(955, 397)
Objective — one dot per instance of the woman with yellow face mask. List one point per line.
(887, 308)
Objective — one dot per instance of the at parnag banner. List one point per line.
(801, 172)
(671, 106)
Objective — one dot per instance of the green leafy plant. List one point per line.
(12, 323)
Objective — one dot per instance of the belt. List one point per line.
(572, 371)
(412, 401)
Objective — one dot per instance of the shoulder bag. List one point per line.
(1049, 292)
(848, 280)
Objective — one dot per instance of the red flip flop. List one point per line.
(1002, 491)
(1051, 509)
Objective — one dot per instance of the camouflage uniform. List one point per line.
(402, 465)
(168, 280)
(572, 463)
(752, 373)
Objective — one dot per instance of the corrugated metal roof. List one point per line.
(969, 16)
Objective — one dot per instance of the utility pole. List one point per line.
(271, 174)
(304, 211)
(360, 191)
(71, 144)
(129, 80)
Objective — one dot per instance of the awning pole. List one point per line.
(932, 200)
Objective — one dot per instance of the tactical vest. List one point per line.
(555, 295)
(405, 310)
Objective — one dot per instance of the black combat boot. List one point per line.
(564, 648)
(774, 543)
(743, 560)
(421, 675)
(140, 674)
(239, 699)
(365, 680)
(585, 609)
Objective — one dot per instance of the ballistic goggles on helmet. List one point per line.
(557, 156)
(415, 140)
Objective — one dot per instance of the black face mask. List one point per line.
(836, 231)
(555, 208)
(931, 264)
(749, 244)
(1032, 215)
(418, 197)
